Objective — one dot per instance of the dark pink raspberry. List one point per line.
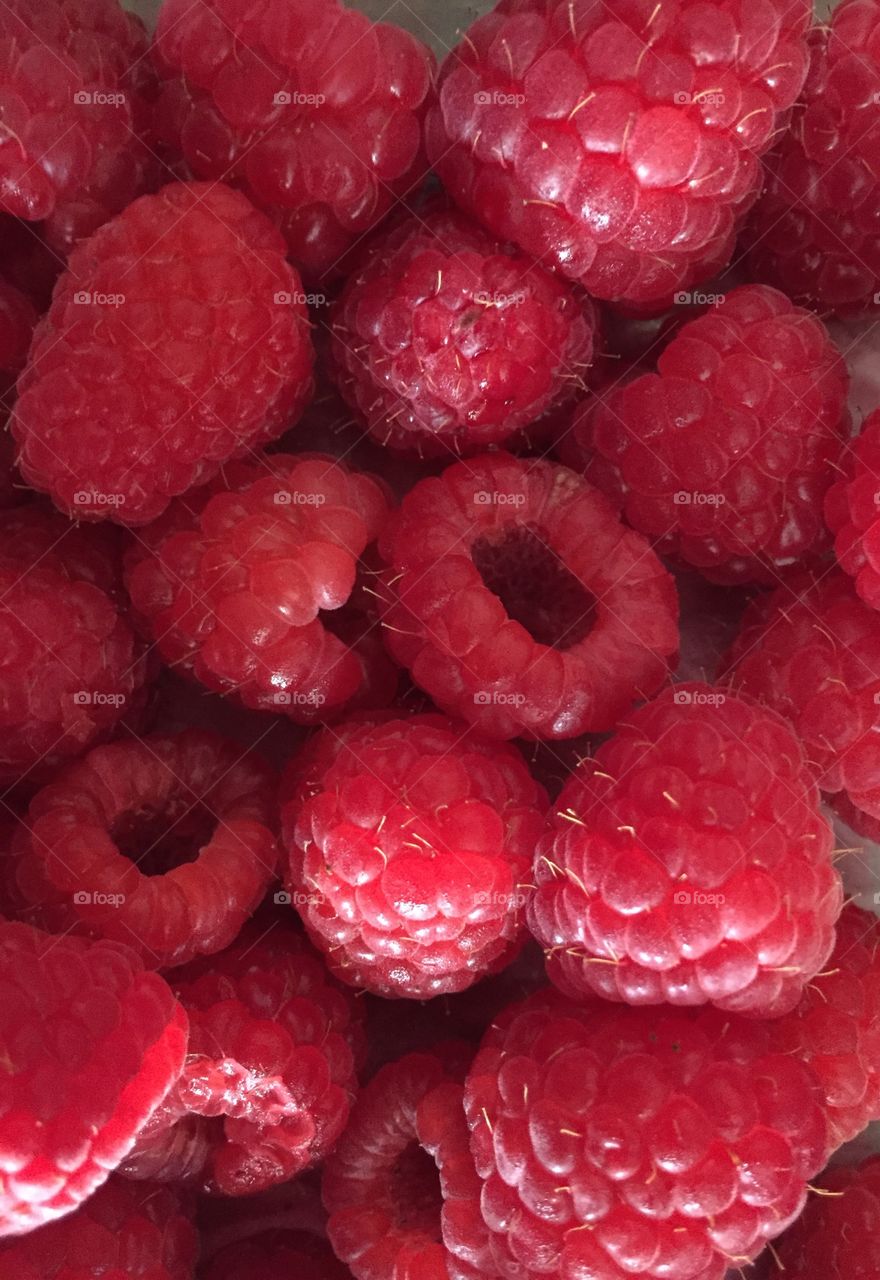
(618, 142)
(688, 862)
(811, 651)
(814, 231)
(518, 601)
(724, 456)
(645, 1142)
(852, 509)
(75, 83)
(71, 665)
(401, 1180)
(247, 585)
(837, 1236)
(165, 843)
(313, 110)
(410, 846)
(125, 1231)
(443, 342)
(177, 339)
(270, 1071)
(90, 1047)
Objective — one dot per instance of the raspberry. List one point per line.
(91, 1045)
(813, 232)
(176, 339)
(71, 665)
(723, 457)
(125, 1231)
(311, 109)
(689, 862)
(409, 845)
(618, 143)
(518, 601)
(401, 1178)
(838, 1234)
(163, 843)
(244, 585)
(811, 651)
(270, 1072)
(75, 85)
(852, 509)
(277, 1255)
(442, 341)
(647, 1142)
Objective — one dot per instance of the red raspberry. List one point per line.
(125, 1231)
(165, 844)
(409, 845)
(689, 862)
(443, 341)
(618, 142)
(75, 84)
(71, 665)
(90, 1046)
(813, 232)
(838, 1235)
(270, 1072)
(811, 651)
(314, 111)
(177, 338)
(723, 457)
(518, 601)
(852, 509)
(637, 1142)
(401, 1179)
(244, 585)
(277, 1255)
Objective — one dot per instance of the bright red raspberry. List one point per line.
(401, 1179)
(811, 651)
(71, 665)
(852, 509)
(518, 601)
(410, 845)
(313, 110)
(813, 233)
(277, 1255)
(125, 1231)
(165, 843)
(246, 585)
(75, 84)
(177, 339)
(270, 1072)
(90, 1046)
(618, 142)
(837, 1236)
(688, 862)
(637, 1142)
(444, 342)
(723, 456)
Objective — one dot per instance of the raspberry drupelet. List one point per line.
(688, 862)
(723, 456)
(619, 143)
(177, 339)
(247, 585)
(311, 109)
(852, 509)
(814, 231)
(91, 1045)
(125, 1231)
(445, 343)
(837, 1236)
(165, 843)
(409, 846)
(270, 1073)
(518, 601)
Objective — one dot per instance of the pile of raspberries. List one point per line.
(439, 642)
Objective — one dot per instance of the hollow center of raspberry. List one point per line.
(158, 842)
(415, 1191)
(535, 587)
